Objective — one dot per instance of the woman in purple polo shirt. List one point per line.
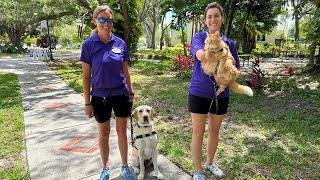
(104, 59)
(202, 101)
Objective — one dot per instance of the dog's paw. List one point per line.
(140, 176)
(160, 176)
(136, 170)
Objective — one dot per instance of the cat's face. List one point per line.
(214, 46)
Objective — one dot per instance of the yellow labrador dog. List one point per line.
(146, 139)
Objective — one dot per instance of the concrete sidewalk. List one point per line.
(61, 142)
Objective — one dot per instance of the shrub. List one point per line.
(10, 48)
(183, 62)
(172, 51)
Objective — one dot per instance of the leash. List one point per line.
(215, 99)
(216, 88)
(132, 138)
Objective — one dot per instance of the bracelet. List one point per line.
(87, 104)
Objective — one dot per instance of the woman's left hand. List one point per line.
(131, 97)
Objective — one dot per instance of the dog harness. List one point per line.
(145, 135)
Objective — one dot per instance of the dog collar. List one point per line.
(145, 135)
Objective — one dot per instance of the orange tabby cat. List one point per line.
(220, 63)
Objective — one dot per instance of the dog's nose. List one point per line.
(145, 118)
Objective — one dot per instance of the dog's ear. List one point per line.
(153, 113)
(134, 114)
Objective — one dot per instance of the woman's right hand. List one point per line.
(89, 110)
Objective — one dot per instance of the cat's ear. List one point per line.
(217, 33)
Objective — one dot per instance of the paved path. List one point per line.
(275, 66)
(60, 140)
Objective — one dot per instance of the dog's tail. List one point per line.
(241, 89)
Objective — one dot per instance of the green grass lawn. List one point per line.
(12, 146)
(273, 135)
(5, 55)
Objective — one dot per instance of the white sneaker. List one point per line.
(214, 169)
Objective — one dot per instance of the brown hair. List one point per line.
(96, 12)
(213, 5)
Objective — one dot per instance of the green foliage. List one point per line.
(120, 24)
(68, 34)
(261, 18)
(271, 50)
(168, 53)
(10, 48)
(267, 50)
(312, 24)
(19, 18)
(30, 40)
(11, 129)
(172, 52)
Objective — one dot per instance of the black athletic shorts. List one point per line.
(202, 105)
(103, 106)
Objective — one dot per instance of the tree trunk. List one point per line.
(153, 30)
(313, 47)
(124, 10)
(196, 28)
(244, 22)
(318, 57)
(15, 34)
(296, 19)
(201, 25)
(162, 32)
(192, 28)
(148, 34)
(229, 16)
(183, 40)
(297, 31)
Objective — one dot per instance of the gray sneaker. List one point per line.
(214, 169)
(198, 176)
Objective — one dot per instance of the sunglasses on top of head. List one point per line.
(103, 20)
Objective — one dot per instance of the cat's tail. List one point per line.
(241, 89)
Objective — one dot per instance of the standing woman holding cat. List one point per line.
(104, 59)
(202, 101)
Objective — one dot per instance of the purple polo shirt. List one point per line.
(200, 84)
(106, 60)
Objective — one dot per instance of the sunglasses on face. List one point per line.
(103, 20)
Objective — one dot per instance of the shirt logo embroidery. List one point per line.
(116, 50)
